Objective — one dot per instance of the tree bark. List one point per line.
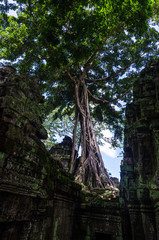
(73, 154)
(91, 171)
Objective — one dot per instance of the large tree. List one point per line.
(80, 50)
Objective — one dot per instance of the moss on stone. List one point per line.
(55, 230)
(2, 155)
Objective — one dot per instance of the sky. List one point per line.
(111, 157)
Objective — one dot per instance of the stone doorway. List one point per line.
(102, 236)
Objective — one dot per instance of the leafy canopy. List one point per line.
(104, 40)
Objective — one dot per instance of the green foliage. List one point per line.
(53, 38)
(59, 126)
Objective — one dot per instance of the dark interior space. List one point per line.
(102, 236)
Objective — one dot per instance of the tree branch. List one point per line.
(114, 75)
(107, 78)
(89, 61)
(122, 95)
(72, 79)
(106, 101)
(96, 98)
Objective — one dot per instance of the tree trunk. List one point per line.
(91, 171)
(73, 154)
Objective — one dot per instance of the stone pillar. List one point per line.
(140, 186)
(157, 218)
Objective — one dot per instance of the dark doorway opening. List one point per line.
(103, 236)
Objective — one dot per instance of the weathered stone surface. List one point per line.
(21, 152)
(24, 199)
(62, 152)
(140, 167)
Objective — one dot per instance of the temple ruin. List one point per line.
(39, 199)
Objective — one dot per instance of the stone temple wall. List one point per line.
(39, 200)
(23, 197)
(139, 187)
(28, 175)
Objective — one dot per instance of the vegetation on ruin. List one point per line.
(86, 55)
